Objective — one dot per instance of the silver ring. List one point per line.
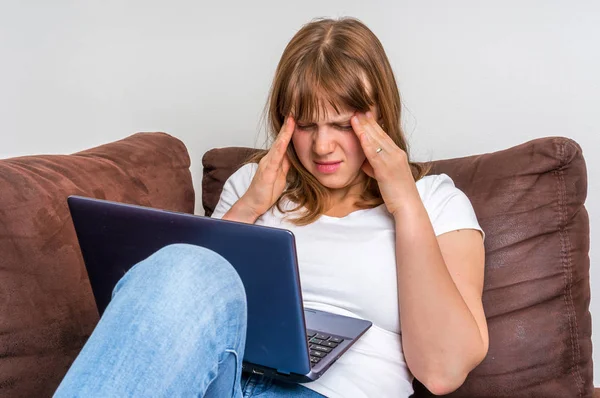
(378, 150)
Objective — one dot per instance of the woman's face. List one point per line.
(330, 149)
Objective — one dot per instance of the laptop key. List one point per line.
(322, 336)
(320, 348)
(314, 359)
(311, 334)
(316, 340)
(336, 340)
(319, 354)
(329, 343)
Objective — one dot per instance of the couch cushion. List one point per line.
(530, 201)
(47, 310)
(218, 165)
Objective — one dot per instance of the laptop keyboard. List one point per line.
(320, 345)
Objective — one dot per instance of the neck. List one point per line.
(349, 194)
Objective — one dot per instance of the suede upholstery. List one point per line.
(530, 201)
(47, 310)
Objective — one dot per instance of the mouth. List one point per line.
(328, 167)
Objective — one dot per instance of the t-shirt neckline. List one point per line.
(353, 214)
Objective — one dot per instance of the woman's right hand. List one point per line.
(270, 178)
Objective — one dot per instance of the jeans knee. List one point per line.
(189, 272)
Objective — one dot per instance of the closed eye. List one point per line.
(343, 128)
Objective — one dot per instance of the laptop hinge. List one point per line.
(256, 369)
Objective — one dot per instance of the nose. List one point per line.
(323, 142)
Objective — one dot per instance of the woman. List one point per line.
(376, 239)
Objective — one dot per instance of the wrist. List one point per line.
(247, 205)
(407, 207)
(241, 211)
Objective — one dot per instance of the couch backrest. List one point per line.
(530, 201)
(47, 310)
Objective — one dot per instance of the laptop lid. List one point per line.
(115, 236)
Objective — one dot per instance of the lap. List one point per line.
(264, 387)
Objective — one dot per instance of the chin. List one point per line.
(333, 181)
(333, 185)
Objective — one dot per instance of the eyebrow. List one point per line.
(338, 122)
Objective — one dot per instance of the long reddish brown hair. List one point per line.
(342, 63)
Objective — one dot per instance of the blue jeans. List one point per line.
(175, 327)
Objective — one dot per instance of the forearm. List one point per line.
(241, 212)
(441, 339)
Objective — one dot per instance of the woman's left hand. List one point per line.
(388, 165)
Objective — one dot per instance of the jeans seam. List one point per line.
(237, 381)
(213, 374)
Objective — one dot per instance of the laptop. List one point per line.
(284, 340)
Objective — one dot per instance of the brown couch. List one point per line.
(529, 199)
(47, 310)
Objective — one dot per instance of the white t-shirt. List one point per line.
(348, 266)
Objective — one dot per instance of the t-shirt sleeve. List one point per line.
(448, 207)
(233, 189)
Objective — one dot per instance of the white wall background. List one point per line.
(475, 76)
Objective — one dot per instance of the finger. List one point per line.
(282, 141)
(367, 141)
(376, 129)
(368, 169)
(283, 170)
(287, 130)
(365, 127)
(279, 148)
(285, 165)
(379, 136)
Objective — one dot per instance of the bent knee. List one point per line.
(197, 264)
(183, 267)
